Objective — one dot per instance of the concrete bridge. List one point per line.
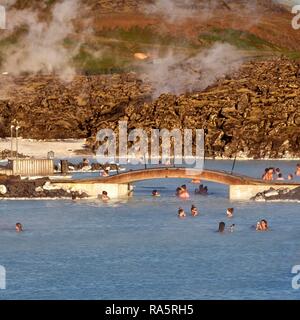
(240, 187)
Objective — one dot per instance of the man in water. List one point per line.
(221, 227)
(269, 174)
(182, 192)
(155, 193)
(105, 196)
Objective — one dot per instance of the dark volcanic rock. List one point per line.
(15, 187)
(254, 113)
(4, 154)
(283, 194)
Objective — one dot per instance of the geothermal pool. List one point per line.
(139, 249)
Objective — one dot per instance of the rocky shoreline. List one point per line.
(254, 113)
(283, 194)
(12, 187)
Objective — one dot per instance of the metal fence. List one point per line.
(32, 167)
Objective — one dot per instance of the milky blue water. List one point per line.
(139, 249)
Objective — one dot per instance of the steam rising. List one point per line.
(178, 74)
(41, 49)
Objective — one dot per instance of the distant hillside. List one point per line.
(108, 33)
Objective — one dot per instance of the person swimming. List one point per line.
(105, 196)
(262, 225)
(280, 176)
(182, 192)
(221, 227)
(194, 211)
(202, 190)
(105, 173)
(181, 213)
(229, 212)
(19, 227)
(297, 173)
(231, 228)
(155, 193)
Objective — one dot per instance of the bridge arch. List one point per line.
(221, 177)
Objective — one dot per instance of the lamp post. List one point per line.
(17, 147)
(17, 142)
(11, 140)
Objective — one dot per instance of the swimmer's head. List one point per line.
(221, 226)
(19, 227)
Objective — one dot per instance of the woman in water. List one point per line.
(262, 225)
(194, 211)
(229, 212)
(181, 213)
(19, 227)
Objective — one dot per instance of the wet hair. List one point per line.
(265, 221)
(180, 210)
(230, 210)
(19, 225)
(183, 186)
(279, 175)
(104, 193)
(221, 226)
(193, 207)
(267, 169)
(277, 170)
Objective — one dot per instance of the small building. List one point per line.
(31, 167)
